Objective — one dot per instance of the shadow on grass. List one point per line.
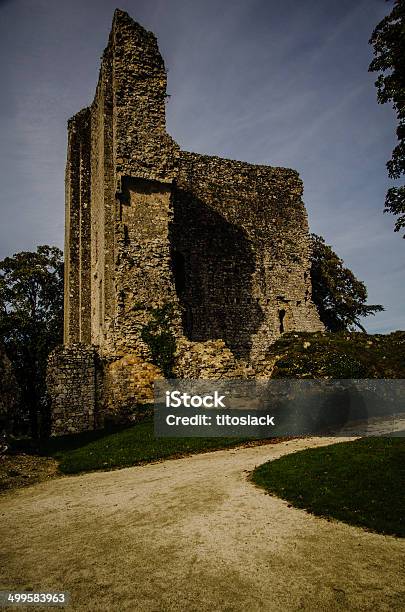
(118, 447)
(68, 442)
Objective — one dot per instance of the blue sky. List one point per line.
(268, 82)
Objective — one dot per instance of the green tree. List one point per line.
(31, 323)
(341, 299)
(388, 40)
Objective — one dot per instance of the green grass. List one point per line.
(125, 447)
(339, 355)
(360, 482)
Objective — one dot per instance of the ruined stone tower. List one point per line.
(221, 247)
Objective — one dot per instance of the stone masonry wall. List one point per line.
(77, 231)
(143, 148)
(71, 380)
(127, 383)
(123, 134)
(145, 158)
(102, 205)
(144, 268)
(210, 360)
(241, 252)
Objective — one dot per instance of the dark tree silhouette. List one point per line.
(341, 299)
(388, 41)
(31, 323)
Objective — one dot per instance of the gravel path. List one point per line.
(192, 534)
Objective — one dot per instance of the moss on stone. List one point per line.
(160, 339)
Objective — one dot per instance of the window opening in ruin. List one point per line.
(281, 315)
(179, 271)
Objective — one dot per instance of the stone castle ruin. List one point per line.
(176, 264)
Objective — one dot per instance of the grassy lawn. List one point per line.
(360, 482)
(133, 445)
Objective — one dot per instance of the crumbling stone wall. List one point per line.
(128, 383)
(210, 360)
(71, 383)
(77, 312)
(143, 272)
(241, 246)
(223, 243)
(121, 164)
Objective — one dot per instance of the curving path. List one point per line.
(192, 535)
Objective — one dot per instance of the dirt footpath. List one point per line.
(192, 535)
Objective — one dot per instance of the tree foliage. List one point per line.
(31, 323)
(9, 393)
(388, 40)
(341, 299)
